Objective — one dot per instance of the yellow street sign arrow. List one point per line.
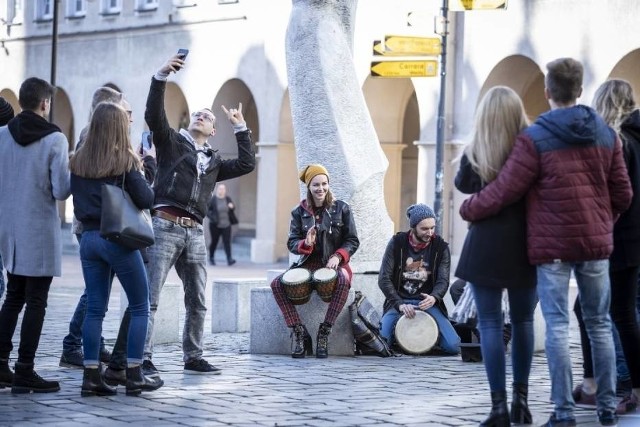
(411, 46)
(428, 68)
(461, 5)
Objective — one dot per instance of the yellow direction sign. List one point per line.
(458, 5)
(428, 68)
(412, 46)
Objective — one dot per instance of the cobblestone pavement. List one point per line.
(267, 390)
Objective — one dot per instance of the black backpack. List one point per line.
(365, 322)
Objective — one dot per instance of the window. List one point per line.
(145, 5)
(14, 12)
(76, 9)
(111, 7)
(44, 10)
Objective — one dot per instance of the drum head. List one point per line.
(417, 335)
(296, 276)
(324, 274)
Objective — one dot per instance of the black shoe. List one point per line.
(231, 262)
(322, 341)
(137, 382)
(149, 369)
(607, 418)
(499, 416)
(520, 413)
(555, 422)
(6, 374)
(115, 377)
(300, 342)
(94, 385)
(105, 355)
(72, 359)
(26, 380)
(200, 366)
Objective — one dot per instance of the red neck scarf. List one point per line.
(416, 245)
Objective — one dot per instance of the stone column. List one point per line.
(331, 123)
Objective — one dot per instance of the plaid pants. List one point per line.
(338, 300)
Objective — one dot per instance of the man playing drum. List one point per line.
(323, 233)
(414, 275)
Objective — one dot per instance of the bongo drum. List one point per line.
(297, 285)
(417, 335)
(324, 281)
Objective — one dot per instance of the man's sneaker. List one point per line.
(149, 369)
(72, 359)
(627, 404)
(6, 374)
(559, 422)
(200, 366)
(105, 355)
(26, 380)
(607, 418)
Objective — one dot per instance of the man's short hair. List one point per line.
(105, 94)
(33, 91)
(564, 80)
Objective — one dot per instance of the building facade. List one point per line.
(237, 54)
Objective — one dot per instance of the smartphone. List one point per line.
(182, 53)
(147, 140)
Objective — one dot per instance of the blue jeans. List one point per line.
(99, 257)
(184, 248)
(72, 342)
(522, 303)
(448, 339)
(595, 297)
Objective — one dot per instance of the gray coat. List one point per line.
(32, 179)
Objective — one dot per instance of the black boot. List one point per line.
(26, 380)
(499, 416)
(322, 342)
(6, 374)
(94, 385)
(301, 342)
(137, 382)
(115, 377)
(520, 413)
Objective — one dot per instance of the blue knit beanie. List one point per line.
(418, 212)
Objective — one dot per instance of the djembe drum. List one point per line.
(324, 281)
(297, 285)
(417, 335)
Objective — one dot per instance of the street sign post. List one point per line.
(404, 69)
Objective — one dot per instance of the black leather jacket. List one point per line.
(395, 256)
(336, 233)
(183, 187)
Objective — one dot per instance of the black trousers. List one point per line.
(32, 292)
(215, 237)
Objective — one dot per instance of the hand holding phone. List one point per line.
(182, 54)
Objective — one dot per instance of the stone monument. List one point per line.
(331, 122)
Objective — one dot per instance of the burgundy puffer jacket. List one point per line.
(569, 164)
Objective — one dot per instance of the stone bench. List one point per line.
(270, 335)
(231, 301)
(167, 319)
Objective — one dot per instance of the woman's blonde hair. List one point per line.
(107, 149)
(614, 101)
(500, 117)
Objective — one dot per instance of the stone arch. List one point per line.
(395, 114)
(522, 75)
(63, 117)
(627, 69)
(244, 189)
(176, 107)
(12, 99)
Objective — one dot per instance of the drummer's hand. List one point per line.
(427, 302)
(334, 262)
(408, 310)
(310, 240)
